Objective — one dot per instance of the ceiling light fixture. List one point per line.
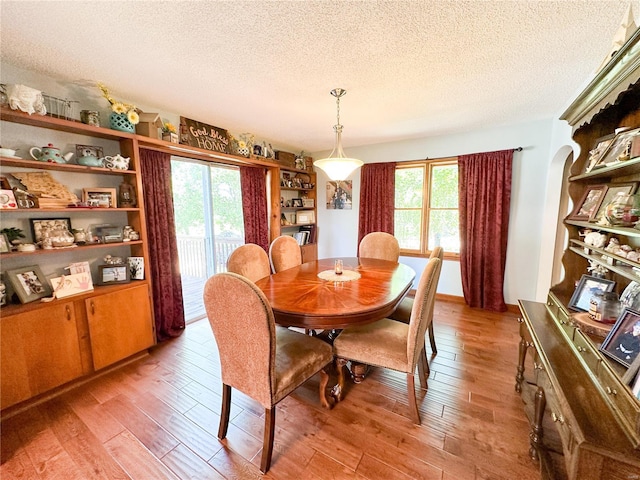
(337, 165)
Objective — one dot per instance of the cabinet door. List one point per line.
(120, 324)
(40, 350)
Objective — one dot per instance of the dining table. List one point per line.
(314, 297)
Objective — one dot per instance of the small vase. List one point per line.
(119, 121)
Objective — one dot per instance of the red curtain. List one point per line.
(377, 198)
(484, 189)
(253, 183)
(163, 249)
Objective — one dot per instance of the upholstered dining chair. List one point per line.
(390, 344)
(265, 362)
(380, 245)
(284, 253)
(403, 314)
(250, 261)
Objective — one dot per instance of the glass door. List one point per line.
(209, 224)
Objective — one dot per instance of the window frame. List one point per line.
(427, 166)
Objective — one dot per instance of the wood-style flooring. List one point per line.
(157, 418)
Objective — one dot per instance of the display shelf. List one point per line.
(621, 169)
(58, 250)
(63, 167)
(624, 231)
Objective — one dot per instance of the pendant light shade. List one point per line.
(337, 165)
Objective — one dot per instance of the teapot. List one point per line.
(49, 154)
(89, 160)
(117, 162)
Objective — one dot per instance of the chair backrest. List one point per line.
(284, 253)
(380, 245)
(423, 308)
(250, 261)
(244, 330)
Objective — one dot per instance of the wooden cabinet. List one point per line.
(119, 324)
(45, 345)
(40, 350)
(296, 207)
(585, 421)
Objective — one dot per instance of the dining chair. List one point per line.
(391, 344)
(381, 245)
(250, 261)
(264, 362)
(284, 253)
(403, 314)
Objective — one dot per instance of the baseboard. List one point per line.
(443, 297)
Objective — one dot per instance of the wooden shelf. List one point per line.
(52, 251)
(621, 169)
(63, 167)
(626, 231)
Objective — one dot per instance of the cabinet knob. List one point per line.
(581, 349)
(93, 308)
(528, 344)
(68, 310)
(520, 320)
(612, 391)
(538, 366)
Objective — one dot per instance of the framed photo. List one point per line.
(8, 200)
(620, 148)
(305, 218)
(587, 286)
(595, 154)
(296, 202)
(38, 224)
(29, 283)
(113, 273)
(613, 190)
(589, 203)
(308, 202)
(623, 342)
(86, 150)
(5, 246)
(136, 268)
(100, 197)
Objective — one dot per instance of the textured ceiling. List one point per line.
(411, 68)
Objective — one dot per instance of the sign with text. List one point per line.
(201, 135)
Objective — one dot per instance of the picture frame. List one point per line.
(587, 286)
(620, 148)
(622, 344)
(37, 225)
(612, 190)
(308, 203)
(305, 218)
(636, 387)
(5, 246)
(111, 274)
(100, 197)
(8, 200)
(599, 148)
(29, 283)
(589, 203)
(136, 268)
(86, 150)
(296, 202)
(71, 284)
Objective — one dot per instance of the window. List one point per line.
(426, 206)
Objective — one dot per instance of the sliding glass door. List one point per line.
(209, 224)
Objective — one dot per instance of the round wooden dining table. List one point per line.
(299, 297)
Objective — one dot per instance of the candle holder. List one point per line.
(337, 267)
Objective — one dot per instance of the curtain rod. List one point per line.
(517, 149)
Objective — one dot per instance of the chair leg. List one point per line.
(226, 409)
(432, 339)
(324, 380)
(413, 405)
(267, 443)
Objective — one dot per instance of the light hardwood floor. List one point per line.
(158, 418)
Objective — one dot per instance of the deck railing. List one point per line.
(192, 252)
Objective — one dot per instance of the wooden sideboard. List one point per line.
(585, 423)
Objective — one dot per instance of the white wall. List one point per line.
(527, 257)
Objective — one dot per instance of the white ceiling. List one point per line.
(411, 68)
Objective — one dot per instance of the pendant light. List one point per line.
(337, 165)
